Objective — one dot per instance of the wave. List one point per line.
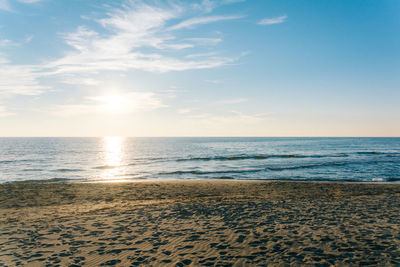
(67, 170)
(145, 161)
(226, 178)
(369, 153)
(7, 161)
(377, 153)
(210, 172)
(106, 167)
(257, 157)
(231, 171)
(285, 156)
(52, 180)
(225, 158)
(392, 179)
(306, 166)
(15, 160)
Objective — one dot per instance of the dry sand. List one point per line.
(200, 223)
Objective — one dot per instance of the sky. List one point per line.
(199, 68)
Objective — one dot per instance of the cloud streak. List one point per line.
(234, 117)
(271, 21)
(190, 23)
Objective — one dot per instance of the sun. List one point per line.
(112, 103)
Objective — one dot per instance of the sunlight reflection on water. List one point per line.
(114, 154)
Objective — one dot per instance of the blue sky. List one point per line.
(205, 68)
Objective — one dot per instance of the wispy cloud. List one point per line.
(215, 81)
(80, 80)
(249, 118)
(205, 41)
(197, 55)
(19, 79)
(130, 29)
(9, 43)
(206, 5)
(190, 23)
(209, 5)
(270, 21)
(234, 117)
(185, 110)
(28, 39)
(4, 112)
(5, 5)
(6, 42)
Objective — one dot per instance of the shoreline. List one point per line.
(71, 181)
(203, 222)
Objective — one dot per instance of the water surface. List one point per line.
(128, 159)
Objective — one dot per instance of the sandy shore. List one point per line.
(200, 223)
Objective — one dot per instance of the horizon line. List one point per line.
(196, 136)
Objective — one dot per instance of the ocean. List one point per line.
(114, 159)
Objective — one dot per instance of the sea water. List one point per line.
(112, 159)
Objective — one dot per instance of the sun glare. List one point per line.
(113, 103)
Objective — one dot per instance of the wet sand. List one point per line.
(200, 223)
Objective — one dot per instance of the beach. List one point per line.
(199, 223)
